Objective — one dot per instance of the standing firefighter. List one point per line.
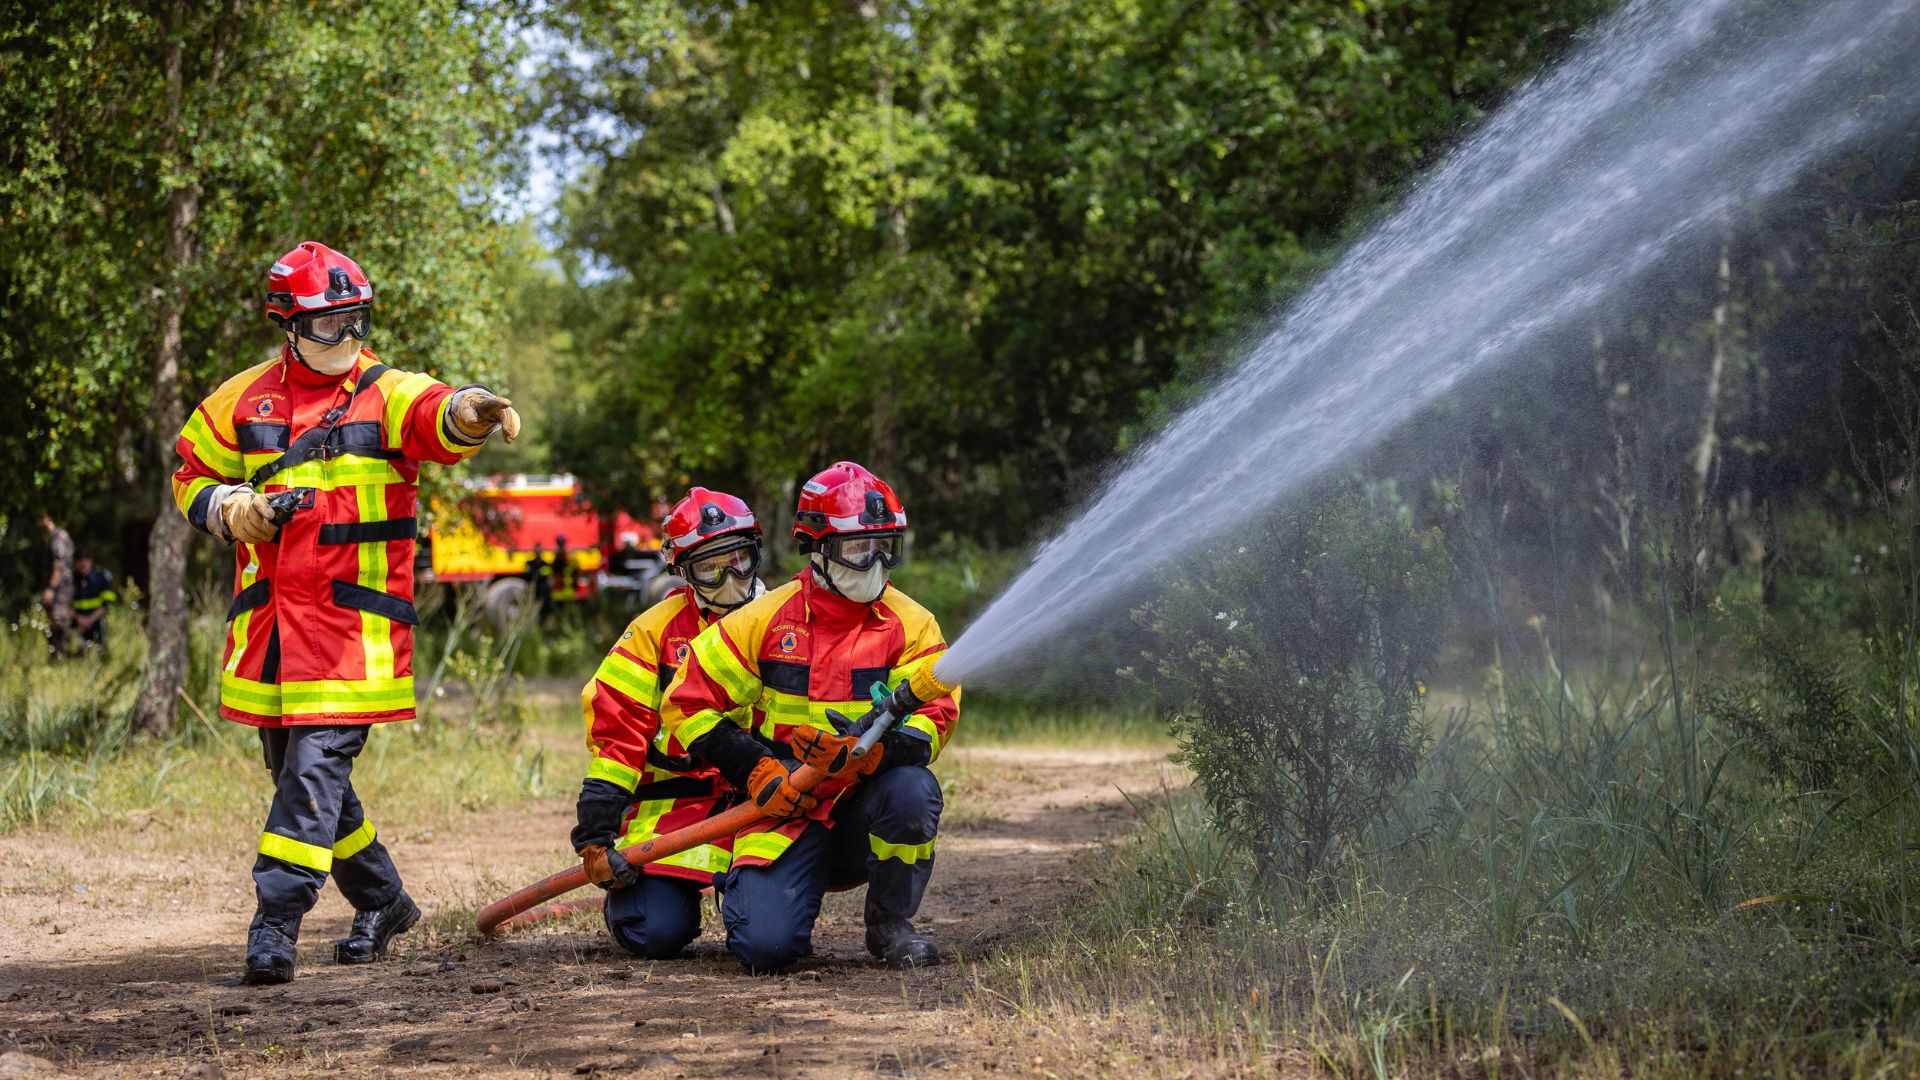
(822, 641)
(641, 784)
(307, 464)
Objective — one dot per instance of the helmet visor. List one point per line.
(861, 551)
(332, 327)
(710, 568)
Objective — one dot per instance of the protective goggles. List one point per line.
(710, 568)
(861, 550)
(332, 327)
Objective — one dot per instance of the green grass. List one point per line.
(988, 719)
(1599, 884)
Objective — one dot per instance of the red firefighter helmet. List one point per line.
(700, 518)
(319, 293)
(845, 501)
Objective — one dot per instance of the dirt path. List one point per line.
(117, 965)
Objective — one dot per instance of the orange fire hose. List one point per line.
(905, 699)
(709, 831)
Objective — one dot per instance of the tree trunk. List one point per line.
(166, 672)
(1697, 550)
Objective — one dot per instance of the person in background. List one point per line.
(640, 784)
(562, 569)
(57, 597)
(92, 592)
(540, 576)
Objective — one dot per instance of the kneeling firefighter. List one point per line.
(640, 784)
(821, 642)
(307, 464)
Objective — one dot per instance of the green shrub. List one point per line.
(1795, 717)
(1292, 658)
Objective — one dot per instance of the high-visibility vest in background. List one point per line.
(320, 630)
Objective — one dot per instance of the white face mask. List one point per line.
(329, 359)
(859, 586)
(729, 594)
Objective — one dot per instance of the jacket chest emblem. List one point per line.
(680, 651)
(789, 641)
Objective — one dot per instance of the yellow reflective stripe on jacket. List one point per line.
(208, 448)
(906, 853)
(248, 696)
(441, 424)
(401, 394)
(91, 603)
(289, 850)
(347, 470)
(761, 845)
(348, 695)
(926, 727)
(614, 773)
(354, 842)
(699, 724)
(718, 662)
(241, 635)
(797, 710)
(184, 494)
(628, 677)
(376, 631)
(646, 825)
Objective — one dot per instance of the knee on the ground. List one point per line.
(905, 802)
(653, 934)
(768, 950)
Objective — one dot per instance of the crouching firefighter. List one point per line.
(307, 464)
(822, 642)
(640, 784)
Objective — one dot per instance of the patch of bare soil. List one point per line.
(119, 957)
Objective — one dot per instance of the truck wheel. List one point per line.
(507, 599)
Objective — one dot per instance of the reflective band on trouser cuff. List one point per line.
(354, 842)
(347, 695)
(628, 677)
(248, 696)
(761, 845)
(719, 663)
(614, 773)
(289, 850)
(906, 853)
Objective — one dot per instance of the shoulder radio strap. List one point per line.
(312, 443)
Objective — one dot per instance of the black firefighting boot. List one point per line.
(372, 930)
(270, 948)
(898, 945)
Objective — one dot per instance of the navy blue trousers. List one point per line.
(316, 825)
(882, 834)
(656, 918)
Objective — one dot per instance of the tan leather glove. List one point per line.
(476, 412)
(248, 517)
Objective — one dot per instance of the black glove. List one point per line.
(730, 749)
(602, 805)
(903, 748)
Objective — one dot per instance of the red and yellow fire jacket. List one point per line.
(622, 709)
(321, 626)
(792, 654)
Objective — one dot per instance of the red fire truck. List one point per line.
(505, 530)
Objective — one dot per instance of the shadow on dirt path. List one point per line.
(111, 965)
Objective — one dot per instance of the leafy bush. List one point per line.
(1292, 657)
(1797, 719)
